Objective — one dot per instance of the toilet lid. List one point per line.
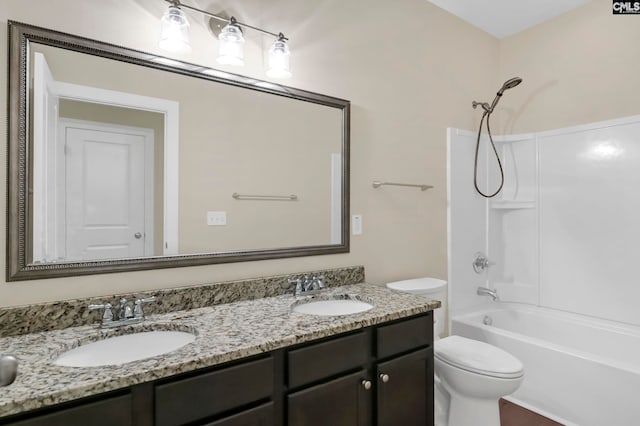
(478, 357)
(418, 285)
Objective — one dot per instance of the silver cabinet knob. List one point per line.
(138, 235)
(384, 378)
(366, 384)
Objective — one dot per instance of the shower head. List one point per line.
(509, 84)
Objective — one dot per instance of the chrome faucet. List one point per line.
(484, 291)
(124, 314)
(124, 311)
(307, 284)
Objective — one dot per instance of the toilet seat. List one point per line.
(478, 357)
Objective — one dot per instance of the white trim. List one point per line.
(171, 111)
(336, 198)
(45, 111)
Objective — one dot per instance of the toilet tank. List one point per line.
(433, 288)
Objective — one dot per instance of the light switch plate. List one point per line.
(216, 218)
(356, 224)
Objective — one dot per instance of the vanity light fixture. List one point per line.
(279, 59)
(231, 51)
(174, 38)
(174, 31)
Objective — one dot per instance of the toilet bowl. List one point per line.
(475, 375)
(470, 376)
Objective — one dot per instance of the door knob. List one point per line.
(366, 384)
(384, 378)
(138, 235)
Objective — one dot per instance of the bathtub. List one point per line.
(578, 370)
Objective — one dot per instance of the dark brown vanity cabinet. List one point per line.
(326, 382)
(377, 376)
(404, 372)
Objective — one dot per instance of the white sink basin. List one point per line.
(122, 349)
(332, 306)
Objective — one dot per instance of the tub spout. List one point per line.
(484, 291)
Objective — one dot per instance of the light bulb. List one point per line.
(231, 51)
(174, 31)
(279, 59)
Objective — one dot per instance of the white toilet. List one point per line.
(471, 376)
(475, 375)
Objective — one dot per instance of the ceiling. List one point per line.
(503, 18)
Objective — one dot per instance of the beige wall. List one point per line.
(410, 70)
(581, 67)
(254, 143)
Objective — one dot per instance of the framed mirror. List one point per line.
(121, 160)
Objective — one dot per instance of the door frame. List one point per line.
(59, 195)
(171, 112)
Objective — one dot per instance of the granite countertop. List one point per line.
(224, 333)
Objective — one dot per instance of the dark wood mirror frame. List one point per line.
(18, 234)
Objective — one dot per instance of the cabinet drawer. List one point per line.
(326, 359)
(108, 412)
(208, 394)
(404, 336)
(259, 416)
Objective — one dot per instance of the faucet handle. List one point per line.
(137, 310)
(298, 283)
(481, 262)
(107, 316)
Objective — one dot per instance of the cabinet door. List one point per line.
(107, 412)
(343, 401)
(405, 390)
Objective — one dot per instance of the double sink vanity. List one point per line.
(279, 360)
(259, 352)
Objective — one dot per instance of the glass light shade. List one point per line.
(231, 51)
(174, 31)
(279, 60)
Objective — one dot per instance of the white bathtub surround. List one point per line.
(475, 375)
(580, 370)
(563, 232)
(563, 235)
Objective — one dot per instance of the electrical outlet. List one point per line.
(216, 218)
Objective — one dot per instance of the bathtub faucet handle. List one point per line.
(481, 262)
